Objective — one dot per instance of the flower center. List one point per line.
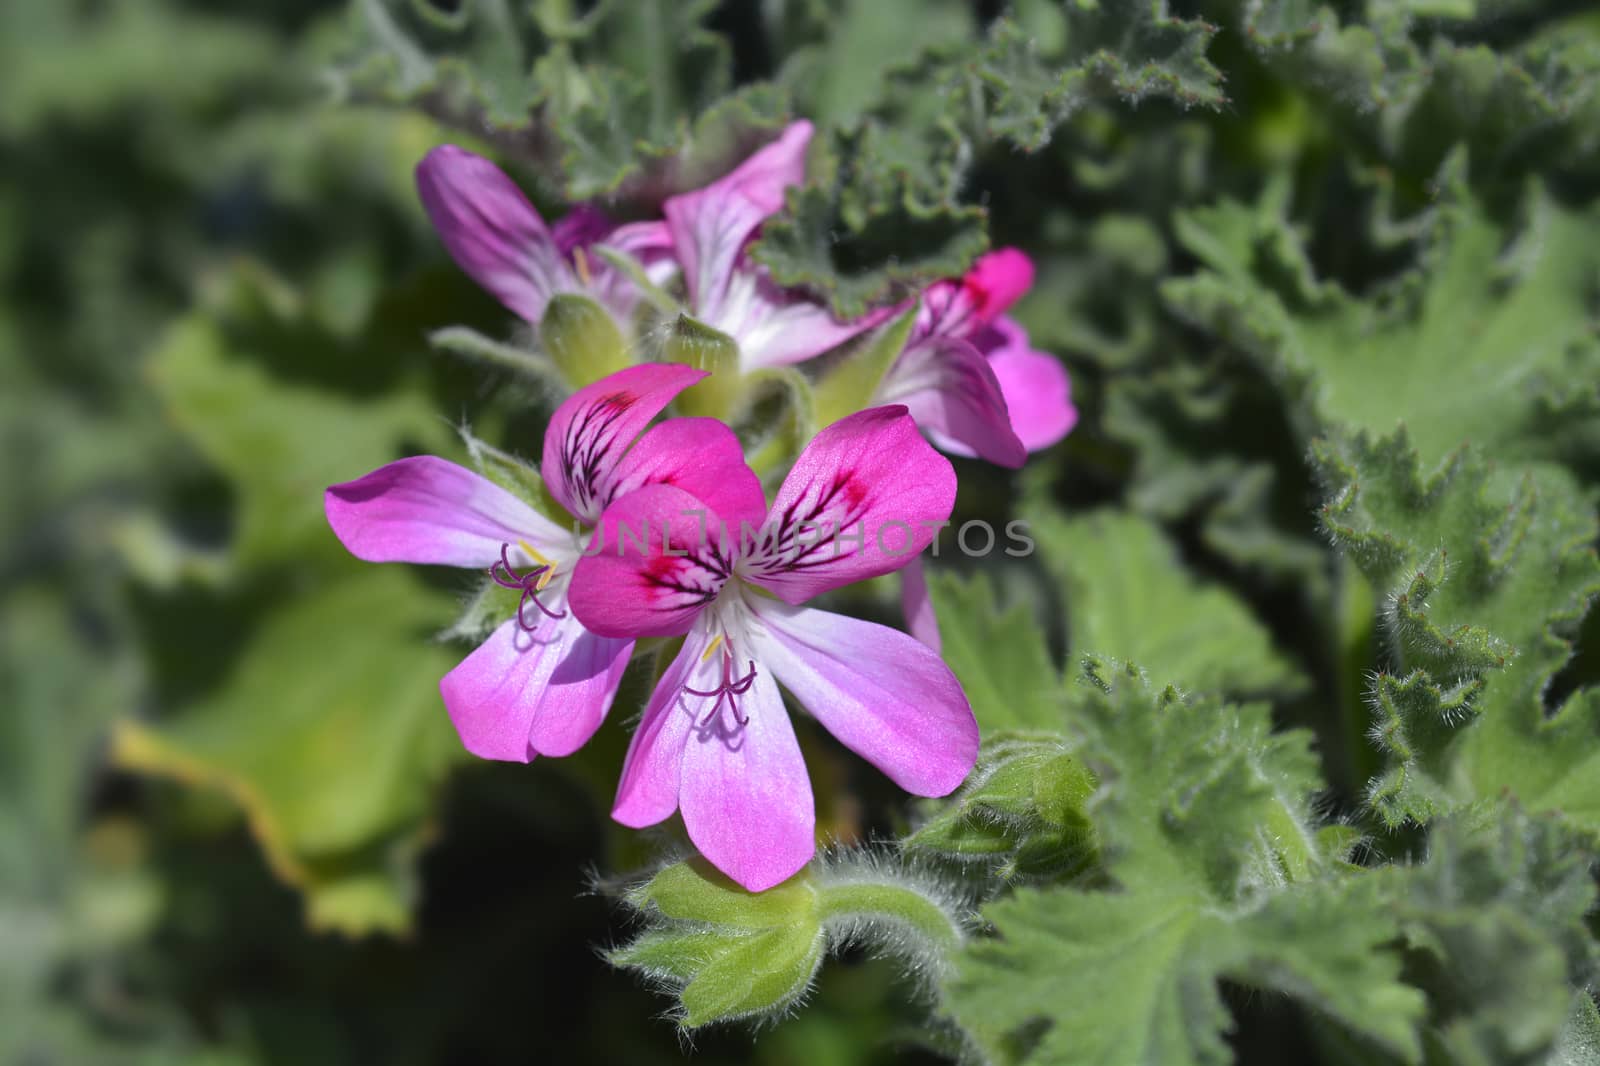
(729, 689)
(532, 582)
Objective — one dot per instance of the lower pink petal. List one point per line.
(886, 696)
(1035, 384)
(647, 791)
(523, 694)
(952, 392)
(428, 510)
(745, 796)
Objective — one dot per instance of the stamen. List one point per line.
(729, 689)
(711, 648)
(531, 583)
(581, 261)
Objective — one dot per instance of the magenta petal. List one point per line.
(711, 225)
(429, 510)
(953, 393)
(884, 695)
(701, 456)
(917, 605)
(997, 280)
(863, 499)
(1037, 389)
(522, 694)
(647, 792)
(582, 226)
(491, 230)
(745, 796)
(589, 433)
(655, 561)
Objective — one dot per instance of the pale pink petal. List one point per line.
(884, 695)
(1035, 384)
(711, 225)
(863, 499)
(701, 456)
(780, 327)
(647, 791)
(523, 694)
(656, 560)
(997, 280)
(954, 395)
(745, 796)
(589, 433)
(492, 231)
(917, 605)
(429, 510)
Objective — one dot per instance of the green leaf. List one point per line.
(865, 231)
(280, 444)
(1495, 923)
(999, 656)
(1127, 594)
(1433, 349)
(625, 102)
(1481, 579)
(1202, 816)
(1518, 109)
(328, 733)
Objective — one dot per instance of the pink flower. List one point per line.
(711, 229)
(496, 236)
(728, 574)
(541, 683)
(970, 377)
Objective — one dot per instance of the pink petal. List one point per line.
(886, 696)
(781, 327)
(869, 476)
(745, 796)
(582, 226)
(590, 432)
(997, 280)
(952, 392)
(655, 561)
(428, 510)
(711, 225)
(647, 792)
(701, 456)
(917, 605)
(492, 231)
(523, 694)
(1035, 384)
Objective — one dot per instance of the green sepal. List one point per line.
(853, 382)
(696, 344)
(729, 954)
(733, 953)
(775, 417)
(470, 344)
(1022, 812)
(582, 339)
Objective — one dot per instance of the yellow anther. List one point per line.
(581, 261)
(550, 568)
(712, 649)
